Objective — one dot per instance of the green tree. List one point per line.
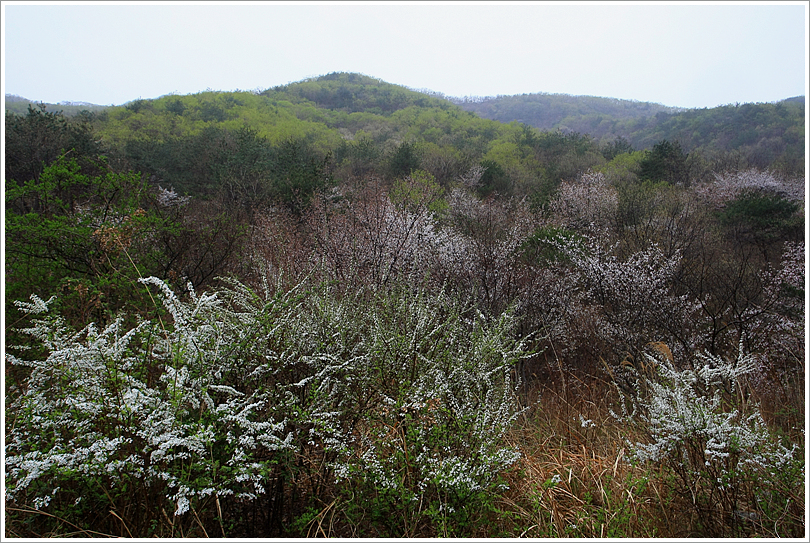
(616, 147)
(73, 233)
(666, 161)
(297, 173)
(494, 179)
(35, 140)
(403, 160)
(763, 220)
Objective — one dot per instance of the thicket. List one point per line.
(397, 338)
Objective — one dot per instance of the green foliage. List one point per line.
(616, 147)
(623, 168)
(545, 245)
(418, 193)
(353, 92)
(665, 162)
(493, 180)
(360, 156)
(760, 135)
(376, 403)
(552, 111)
(35, 140)
(70, 232)
(403, 160)
(19, 106)
(762, 219)
(242, 164)
(298, 173)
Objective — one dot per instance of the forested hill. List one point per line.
(19, 105)
(338, 106)
(549, 111)
(764, 130)
(239, 313)
(356, 125)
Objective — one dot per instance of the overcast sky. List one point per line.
(689, 55)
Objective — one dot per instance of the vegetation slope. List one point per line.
(346, 308)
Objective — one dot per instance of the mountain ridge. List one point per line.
(343, 105)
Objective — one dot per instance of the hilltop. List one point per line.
(19, 105)
(349, 103)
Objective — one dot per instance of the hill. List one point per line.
(766, 133)
(550, 111)
(19, 105)
(347, 308)
(362, 125)
(338, 106)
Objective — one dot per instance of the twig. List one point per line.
(219, 511)
(60, 519)
(200, 523)
(122, 521)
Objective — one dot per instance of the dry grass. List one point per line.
(573, 480)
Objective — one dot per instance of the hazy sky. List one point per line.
(698, 54)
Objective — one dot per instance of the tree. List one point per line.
(297, 173)
(73, 233)
(762, 220)
(494, 179)
(403, 160)
(37, 139)
(616, 147)
(666, 161)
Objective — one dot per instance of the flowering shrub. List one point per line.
(589, 202)
(777, 322)
(439, 381)
(365, 234)
(480, 245)
(238, 392)
(703, 426)
(637, 303)
(145, 409)
(728, 186)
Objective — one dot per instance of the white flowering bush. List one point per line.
(728, 186)
(234, 395)
(634, 294)
(426, 392)
(150, 410)
(702, 425)
(589, 202)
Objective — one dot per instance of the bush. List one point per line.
(242, 397)
(427, 450)
(706, 430)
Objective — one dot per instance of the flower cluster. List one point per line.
(213, 402)
(703, 425)
(634, 293)
(589, 202)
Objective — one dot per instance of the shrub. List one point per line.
(239, 396)
(440, 395)
(702, 425)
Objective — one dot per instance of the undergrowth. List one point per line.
(306, 411)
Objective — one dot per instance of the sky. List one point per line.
(692, 55)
